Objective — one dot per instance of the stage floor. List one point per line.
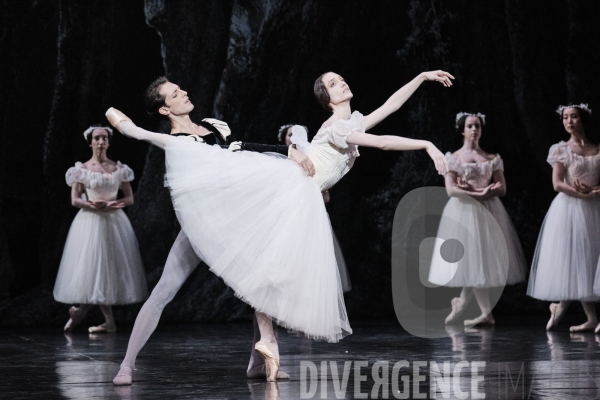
(208, 361)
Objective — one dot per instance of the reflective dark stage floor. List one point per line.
(208, 361)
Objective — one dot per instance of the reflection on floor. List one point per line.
(519, 360)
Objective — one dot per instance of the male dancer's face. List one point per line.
(176, 100)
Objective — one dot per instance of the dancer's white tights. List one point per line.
(181, 262)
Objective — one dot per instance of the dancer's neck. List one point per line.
(181, 124)
(470, 146)
(99, 157)
(342, 110)
(579, 138)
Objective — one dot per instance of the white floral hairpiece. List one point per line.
(462, 114)
(582, 106)
(91, 129)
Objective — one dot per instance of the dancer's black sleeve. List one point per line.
(263, 148)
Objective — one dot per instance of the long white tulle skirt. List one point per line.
(566, 255)
(486, 262)
(260, 224)
(101, 262)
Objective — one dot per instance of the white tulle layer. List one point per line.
(101, 262)
(261, 225)
(486, 263)
(566, 256)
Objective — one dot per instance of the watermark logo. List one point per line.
(438, 244)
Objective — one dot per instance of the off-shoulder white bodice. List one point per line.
(331, 155)
(478, 175)
(99, 186)
(583, 168)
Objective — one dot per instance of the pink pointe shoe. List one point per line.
(597, 330)
(124, 377)
(482, 320)
(108, 328)
(271, 363)
(458, 306)
(75, 319)
(553, 322)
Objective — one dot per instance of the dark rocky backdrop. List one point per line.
(252, 64)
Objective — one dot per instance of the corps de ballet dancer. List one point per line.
(285, 135)
(101, 262)
(474, 172)
(165, 100)
(260, 223)
(568, 247)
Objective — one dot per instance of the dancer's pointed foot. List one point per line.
(597, 330)
(115, 117)
(554, 316)
(124, 377)
(482, 320)
(76, 317)
(586, 327)
(269, 351)
(105, 327)
(458, 306)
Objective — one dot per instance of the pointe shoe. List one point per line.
(271, 363)
(115, 117)
(482, 320)
(74, 320)
(124, 377)
(458, 307)
(553, 320)
(103, 328)
(585, 327)
(597, 330)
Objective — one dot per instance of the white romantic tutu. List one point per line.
(260, 224)
(566, 256)
(101, 262)
(487, 263)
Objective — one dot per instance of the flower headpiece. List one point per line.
(284, 128)
(91, 129)
(462, 114)
(582, 106)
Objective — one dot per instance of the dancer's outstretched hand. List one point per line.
(115, 117)
(438, 159)
(440, 76)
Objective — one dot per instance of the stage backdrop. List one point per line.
(253, 65)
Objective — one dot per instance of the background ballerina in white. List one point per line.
(101, 262)
(474, 172)
(260, 223)
(568, 247)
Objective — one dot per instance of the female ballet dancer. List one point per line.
(285, 135)
(566, 255)
(473, 172)
(101, 262)
(260, 222)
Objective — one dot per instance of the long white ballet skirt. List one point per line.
(101, 262)
(487, 262)
(568, 247)
(261, 225)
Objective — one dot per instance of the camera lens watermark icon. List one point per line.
(441, 244)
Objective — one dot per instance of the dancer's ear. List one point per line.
(164, 111)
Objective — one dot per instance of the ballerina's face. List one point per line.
(288, 136)
(337, 88)
(100, 141)
(571, 120)
(176, 100)
(472, 129)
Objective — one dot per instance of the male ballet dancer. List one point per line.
(166, 100)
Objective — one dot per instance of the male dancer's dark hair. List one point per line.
(153, 100)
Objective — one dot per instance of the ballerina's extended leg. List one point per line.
(256, 366)
(267, 346)
(458, 306)
(180, 263)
